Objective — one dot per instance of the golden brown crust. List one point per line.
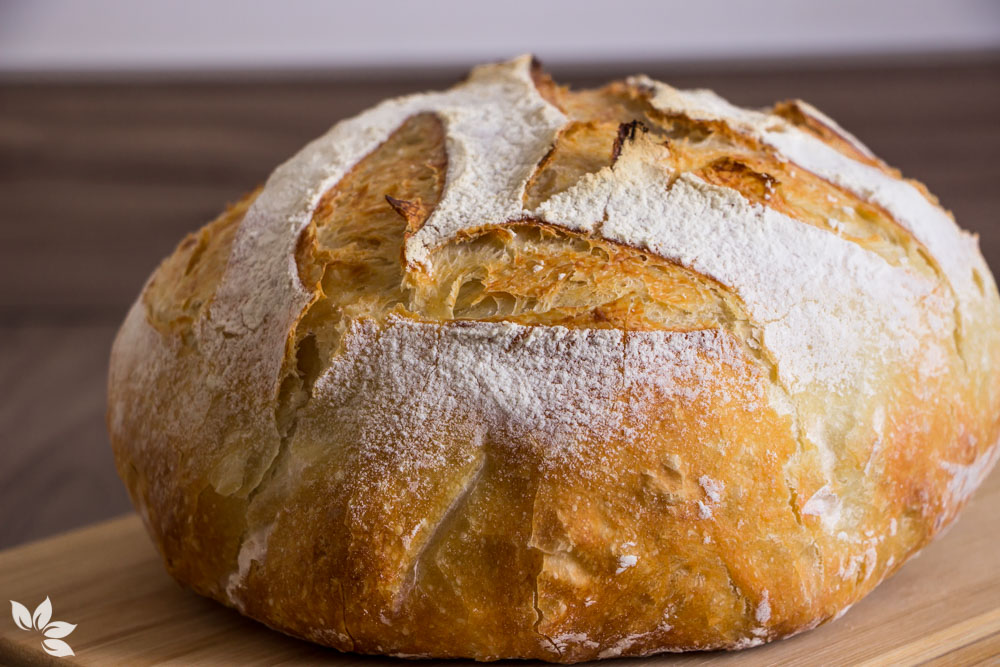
(549, 439)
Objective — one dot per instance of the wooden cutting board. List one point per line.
(942, 609)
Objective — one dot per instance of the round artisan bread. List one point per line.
(515, 371)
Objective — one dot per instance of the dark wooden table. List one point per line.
(100, 180)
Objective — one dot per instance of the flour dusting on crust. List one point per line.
(416, 382)
(966, 478)
(498, 127)
(253, 549)
(824, 303)
(952, 247)
(827, 306)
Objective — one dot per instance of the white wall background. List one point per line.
(122, 35)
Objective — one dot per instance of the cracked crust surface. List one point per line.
(517, 371)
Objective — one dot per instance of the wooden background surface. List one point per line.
(100, 180)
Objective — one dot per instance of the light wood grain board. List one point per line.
(943, 608)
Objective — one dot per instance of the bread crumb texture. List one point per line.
(512, 370)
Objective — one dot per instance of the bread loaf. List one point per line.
(514, 371)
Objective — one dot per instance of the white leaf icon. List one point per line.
(43, 614)
(59, 629)
(57, 647)
(21, 616)
(54, 631)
